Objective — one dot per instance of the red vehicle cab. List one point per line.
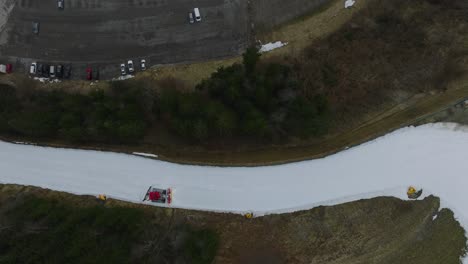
(154, 196)
(158, 195)
(89, 73)
(9, 68)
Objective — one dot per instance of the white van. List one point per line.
(196, 12)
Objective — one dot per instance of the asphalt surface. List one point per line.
(270, 13)
(104, 33)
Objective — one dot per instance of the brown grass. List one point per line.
(303, 31)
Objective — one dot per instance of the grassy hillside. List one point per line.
(52, 228)
(387, 52)
(40, 226)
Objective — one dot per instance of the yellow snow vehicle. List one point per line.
(412, 193)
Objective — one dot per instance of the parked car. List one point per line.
(60, 4)
(130, 66)
(52, 71)
(123, 71)
(32, 69)
(190, 18)
(67, 71)
(39, 69)
(35, 28)
(9, 68)
(143, 64)
(89, 73)
(45, 70)
(59, 71)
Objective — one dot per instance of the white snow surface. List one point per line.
(349, 3)
(272, 45)
(24, 143)
(41, 79)
(149, 155)
(432, 157)
(123, 77)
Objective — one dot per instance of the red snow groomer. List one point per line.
(158, 195)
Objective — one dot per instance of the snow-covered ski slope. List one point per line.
(433, 157)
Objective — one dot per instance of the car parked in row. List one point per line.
(6, 68)
(33, 68)
(52, 71)
(96, 73)
(190, 18)
(89, 73)
(9, 68)
(123, 70)
(35, 27)
(45, 70)
(143, 64)
(67, 71)
(59, 71)
(60, 4)
(196, 12)
(39, 69)
(131, 69)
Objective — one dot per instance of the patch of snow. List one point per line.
(272, 45)
(24, 143)
(431, 157)
(44, 80)
(41, 79)
(123, 77)
(349, 3)
(145, 154)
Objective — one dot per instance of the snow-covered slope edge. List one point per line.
(433, 157)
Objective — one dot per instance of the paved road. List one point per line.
(105, 33)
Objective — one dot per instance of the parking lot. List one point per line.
(104, 33)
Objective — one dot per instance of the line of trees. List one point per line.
(74, 117)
